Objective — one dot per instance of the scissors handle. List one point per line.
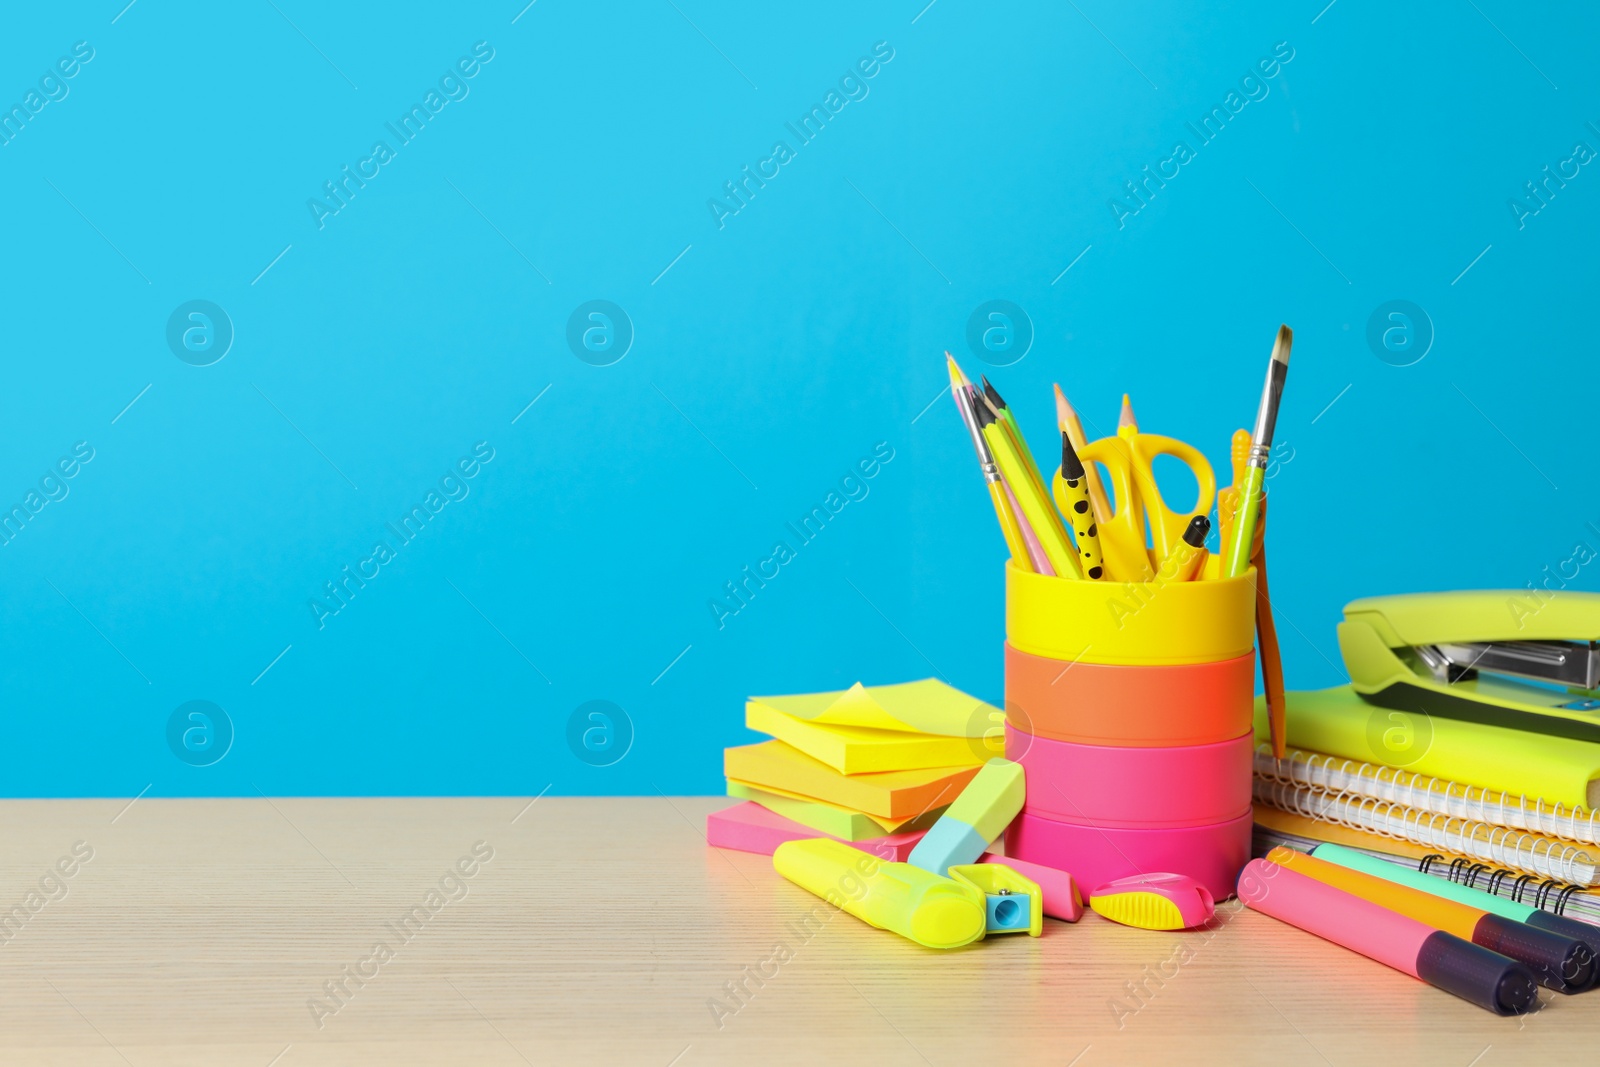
(1166, 525)
(1121, 532)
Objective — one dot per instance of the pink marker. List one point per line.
(1441, 959)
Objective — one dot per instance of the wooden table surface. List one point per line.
(603, 930)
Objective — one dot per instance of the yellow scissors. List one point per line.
(1127, 460)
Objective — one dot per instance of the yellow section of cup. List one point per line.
(1134, 623)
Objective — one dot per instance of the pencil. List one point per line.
(1035, 506)
(1013, 431)
(1080, 512)
(1236, 553)
(957, 378)
(1067, 422)
(1126, 423)
(991, 475)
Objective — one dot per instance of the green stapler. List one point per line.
(1506, 658)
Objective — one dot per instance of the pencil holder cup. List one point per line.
(1130, 706)
(1147, 623)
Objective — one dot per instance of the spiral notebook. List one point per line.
(1438, 796)
(1274, 828)
(1527, 853)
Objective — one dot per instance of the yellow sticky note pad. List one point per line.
(928, 706)
(859, 749)
(846, 824)
(773, 765)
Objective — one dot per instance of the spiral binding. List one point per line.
(1438, 796)
(1543, 857)
(1466, 872)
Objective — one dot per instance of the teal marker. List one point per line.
(1475, 898)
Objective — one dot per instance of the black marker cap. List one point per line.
(1477, 974)
(1195, 535)
(1562, 963)
(1560, 924)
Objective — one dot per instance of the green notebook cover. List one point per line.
(1338, 722)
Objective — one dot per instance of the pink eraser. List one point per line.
(1061, 897)
(1154, 902)
(748, 827)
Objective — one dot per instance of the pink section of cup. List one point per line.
(1212, 855)
(1134, 788)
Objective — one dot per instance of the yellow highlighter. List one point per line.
(927, 908)
(1036, 507)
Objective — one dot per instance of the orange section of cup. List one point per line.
(1132, 706)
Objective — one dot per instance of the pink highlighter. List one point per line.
(1154, 902)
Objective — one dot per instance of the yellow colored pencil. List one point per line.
(1037, 509)
(1127, 425)
(1009, 528)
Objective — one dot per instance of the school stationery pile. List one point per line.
(1460, 763)
(1460, 745)
(875, 766)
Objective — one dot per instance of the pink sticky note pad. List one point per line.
(748, 827)
(1061, 897)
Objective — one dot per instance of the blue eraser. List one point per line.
(947, 843)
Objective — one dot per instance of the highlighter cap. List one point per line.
(1562, 963)
(946, 920)
(1560, 924)
(1477, 974)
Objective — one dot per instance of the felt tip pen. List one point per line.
(1189, 558)
(1559, 962)
(1476, 898)
(1445, 961)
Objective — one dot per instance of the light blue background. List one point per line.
(774, 353)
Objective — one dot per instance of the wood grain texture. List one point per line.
(602, 931)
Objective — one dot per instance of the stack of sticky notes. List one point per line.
(872, 765)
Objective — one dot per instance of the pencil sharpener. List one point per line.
(1012, 904)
